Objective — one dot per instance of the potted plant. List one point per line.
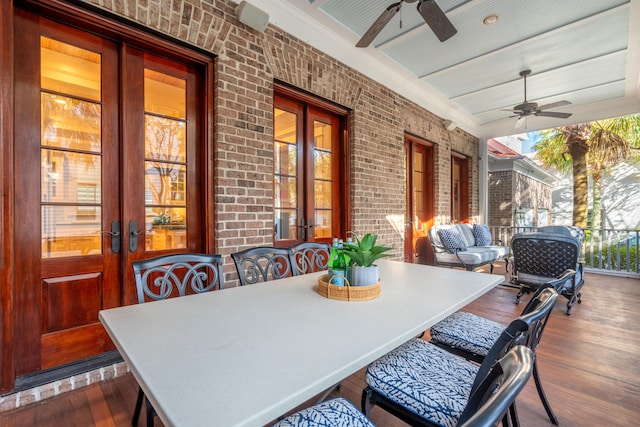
(362, 255)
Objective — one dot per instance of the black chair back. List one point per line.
(524, 330)
(491, 401)
(309, 257)
(544, 254)
(170, 276)
(177, 275)
(262, 264)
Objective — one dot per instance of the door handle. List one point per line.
(303, 229)
(133, 236)
(115, 236)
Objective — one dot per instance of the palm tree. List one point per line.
(588, 148)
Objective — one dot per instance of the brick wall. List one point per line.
(532, 194)
(501, 198)
(248, 62)
(509, 191)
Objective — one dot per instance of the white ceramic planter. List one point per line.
(364, 276)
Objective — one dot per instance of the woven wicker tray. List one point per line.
(347, 293)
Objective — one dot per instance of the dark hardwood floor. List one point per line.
(589, 364)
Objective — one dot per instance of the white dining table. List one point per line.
(244, 356)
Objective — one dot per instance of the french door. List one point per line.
(459, 189)
(310, 182)
(420, 200)
(107, 172)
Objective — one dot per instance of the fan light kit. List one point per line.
(430, 11)
(526, 109)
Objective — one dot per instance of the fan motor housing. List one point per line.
(526, 106)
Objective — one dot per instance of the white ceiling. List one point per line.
(583, 51)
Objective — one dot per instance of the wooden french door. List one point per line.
(420, 200)
(459, 189)
(310, 183)
(106, 137)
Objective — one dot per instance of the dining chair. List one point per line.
(331, 413)
(540, 257)
(262, 264)
(471, 336)
(425, 385)
(170, 276)
(309, 257)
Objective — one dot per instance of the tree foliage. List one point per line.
(589, 148)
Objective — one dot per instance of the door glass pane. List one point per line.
(285, 124)
(70, 153)
(286, 192)
(286, 161)
(70, 70)
(323, 227)
(323, 179)
(285, 175)
(455, 191)
(165, 142)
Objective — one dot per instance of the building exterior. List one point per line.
(520, 191)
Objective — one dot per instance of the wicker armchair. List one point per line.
(540, 257)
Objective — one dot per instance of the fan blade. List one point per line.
(554, 105)
(380, 23)
(553, 114)
(520, 122)
(436, 19)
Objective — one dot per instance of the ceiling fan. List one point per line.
(430, 11)
(526, 109)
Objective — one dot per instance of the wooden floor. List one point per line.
(589, 364)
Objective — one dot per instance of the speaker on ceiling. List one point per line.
(250, 15)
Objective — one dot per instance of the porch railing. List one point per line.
(603, 250)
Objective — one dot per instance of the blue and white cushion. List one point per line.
(424, 379)
(452, 239)
(482, 234)
(331, 413)
(468, 332)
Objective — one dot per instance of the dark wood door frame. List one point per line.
(90, 19)
(417, 248)
(463, 191)
(311, 105)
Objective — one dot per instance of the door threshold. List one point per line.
(47, 376)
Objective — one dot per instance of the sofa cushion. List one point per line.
(499, 252)
(482, 234)
(452, 240)
(467, 233)
(471, 256)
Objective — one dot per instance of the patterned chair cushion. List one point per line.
(425, 379)
(468, 332)
(482, 234)
(332, 413)
(452, 239)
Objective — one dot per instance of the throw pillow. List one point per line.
(482, 234)
(452, 240)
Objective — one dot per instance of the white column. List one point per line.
(483, 182)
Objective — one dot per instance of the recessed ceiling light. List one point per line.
(490, 19)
